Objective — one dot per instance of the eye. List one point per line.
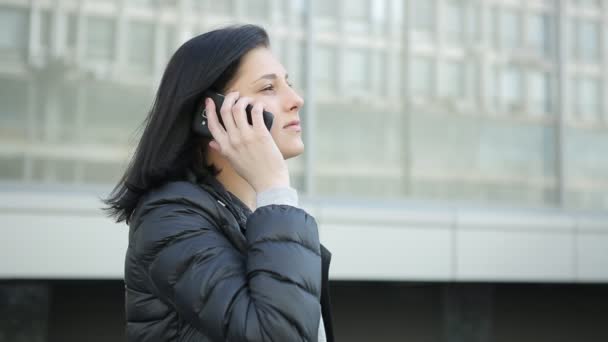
(268, 88)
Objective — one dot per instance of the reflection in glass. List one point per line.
(587, 101)
(356, 71)
(422, 76)
(455, 22)
(510, 29)
(512, 91)
(424, 17)
(540, 93)
(453, 83)
(539, 34)
(13, 26)
(141, 45)
(100, 38)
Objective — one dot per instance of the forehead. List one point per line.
(258, 62)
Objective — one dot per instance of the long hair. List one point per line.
(168, 147)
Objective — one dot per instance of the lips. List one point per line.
(292, 123)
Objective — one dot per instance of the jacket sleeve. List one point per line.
(270, 293)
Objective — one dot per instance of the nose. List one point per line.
(294, 101)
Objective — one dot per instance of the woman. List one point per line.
(218, 250)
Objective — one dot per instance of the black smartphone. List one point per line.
(200, 124)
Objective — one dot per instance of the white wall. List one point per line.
(66, 236)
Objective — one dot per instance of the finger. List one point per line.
(215, 145)
(217, 131)
(240, 115)
(257, 117)
(226, 112)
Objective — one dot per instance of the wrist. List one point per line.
(281, 181)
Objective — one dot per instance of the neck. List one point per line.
(232, 181)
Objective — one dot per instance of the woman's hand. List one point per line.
(249, 148)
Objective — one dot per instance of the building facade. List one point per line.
(463, 140)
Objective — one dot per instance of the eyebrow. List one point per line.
(269, 77)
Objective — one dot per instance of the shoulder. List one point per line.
(172, 212)
(186, 198)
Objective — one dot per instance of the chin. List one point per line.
(292, 150)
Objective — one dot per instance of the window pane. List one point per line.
(13, 109)
(348, 164)
(510, 29)
(539, 36)
(424, 17)
(455, 24)
(326, 15)
(589, 4)
(422, 76)
(355, 72)
(378, 15)
(512, 89)
(100, 38)
(589, 41)
(453, 80)
(456, 157)
(141, 45)
(586, 172)
(325, 68)
(589, 94)
(357, 18)
(257, 9)
(13, 29)
(540, 92)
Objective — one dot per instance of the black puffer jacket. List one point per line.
(201, 267)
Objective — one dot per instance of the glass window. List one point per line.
(396, 11)
(453, 80)
(325, 75)
(357, 16)
(378, 15)
(11, 168)
(590, 4)
(13, 108)
(297, 66)
(588, 104)
(455, 23)
(144, 3)
(510, 29)
(257, 9)
(326, 16)
(224, 7)
(586, 171)
(540, 92)
(348, 164)
(299, 9)
(589, 40)
(72, 28)
(141, 45)
(422, 76)
(102, 172)
(539, 34)
(100, 38)
(13, 29)
(423, 15)
(472, 22)
(356, 71)
(46, 29)
(111, 121)
(512, 91)
(493, 87)
(465, 157)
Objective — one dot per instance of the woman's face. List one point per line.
(262, 77)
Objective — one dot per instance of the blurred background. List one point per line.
(456, 159)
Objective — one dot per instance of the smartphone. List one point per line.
(200, 124)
